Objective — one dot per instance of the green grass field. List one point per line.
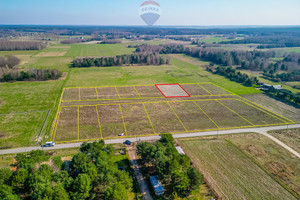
(97, 50)
(230, 172)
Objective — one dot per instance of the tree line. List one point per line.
(111, 42)
(284, 95)
(249, 60)
(234, 75)
(291, 76)
(6, 45)
(173, 169)
(138, 59)
(268, 41)
(31, 75)
(92, 174)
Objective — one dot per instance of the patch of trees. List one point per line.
(173, 169)
(8, 61)
(92, 175)
(284, 95)
(235, 75)
(111, 42)
(268, 41)
(6, 45)
(74, 41)
(31, 75)
(138, 59)
(291, 76)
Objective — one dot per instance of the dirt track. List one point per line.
(144, 188)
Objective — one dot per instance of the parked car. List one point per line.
(49, 144)
(127, 142)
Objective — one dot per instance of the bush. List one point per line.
(57, 161)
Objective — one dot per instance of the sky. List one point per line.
(174, 12)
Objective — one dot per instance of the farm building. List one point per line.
(157, 186)
(268, 87)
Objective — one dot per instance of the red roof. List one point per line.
(150, 2)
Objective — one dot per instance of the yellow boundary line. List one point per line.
(105, 86)
(97, 93)
(117, 92)
(87, 100)
(78, 123)
(123, 120)
(137, 92)
(235, 113)
(99, 122)
(207, 115)
(177, 117)
(149, 118)
(205, 89)
(54, 126)
(178, 101)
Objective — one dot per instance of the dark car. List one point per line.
(127, 142)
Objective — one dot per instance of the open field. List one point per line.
(107, 111)
(97, 50)
(231, 173)
(21, 129)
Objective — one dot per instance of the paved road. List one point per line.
(184, 135)
(144, 188)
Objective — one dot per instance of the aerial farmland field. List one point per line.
(245, 166)
(87, 113)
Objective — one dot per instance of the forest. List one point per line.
(173, 169)
(92, 174)
(140, 59)
(268, 41)
(31, 75)
(6, 45)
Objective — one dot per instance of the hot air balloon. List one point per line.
(150, 12)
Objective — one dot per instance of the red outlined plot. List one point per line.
(172, 90)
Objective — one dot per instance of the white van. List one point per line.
(49, 144)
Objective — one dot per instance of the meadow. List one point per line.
(236, 168)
